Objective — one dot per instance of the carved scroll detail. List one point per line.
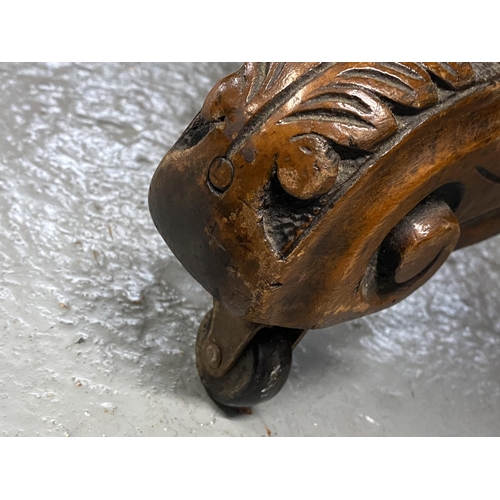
(325, 120)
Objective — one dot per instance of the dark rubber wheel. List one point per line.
(257, 375)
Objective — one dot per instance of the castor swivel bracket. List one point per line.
(303, 195)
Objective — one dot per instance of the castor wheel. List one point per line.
(304, 195)
(258, 373)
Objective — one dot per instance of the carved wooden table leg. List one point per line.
(307, 194)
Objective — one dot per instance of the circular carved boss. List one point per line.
(416, 247)
(220, 174)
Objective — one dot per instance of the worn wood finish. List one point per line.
(303, 195)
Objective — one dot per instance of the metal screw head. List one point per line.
(213, 355)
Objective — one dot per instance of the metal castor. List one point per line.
(257, 375)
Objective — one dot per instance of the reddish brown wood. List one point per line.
(307, 194)
(429, 232)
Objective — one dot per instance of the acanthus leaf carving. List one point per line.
(454, 74)
(316, 109)
(346, 114)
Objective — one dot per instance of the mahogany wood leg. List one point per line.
(307, 194)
